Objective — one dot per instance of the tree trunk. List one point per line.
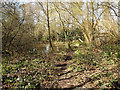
(65, 31)
(119, 39)
(49, 27)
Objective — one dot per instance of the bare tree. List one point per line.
(46, 12)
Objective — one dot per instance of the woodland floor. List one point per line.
(80, 68)
(92, 77)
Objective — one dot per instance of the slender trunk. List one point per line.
(65, 31)
(15, 35)
(118, 40)
(49, 27)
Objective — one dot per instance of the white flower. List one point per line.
(18, 78)
(28, 84)
(33, 49)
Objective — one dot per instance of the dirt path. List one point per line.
(70, 79)
(63, 79)
(67, 78)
